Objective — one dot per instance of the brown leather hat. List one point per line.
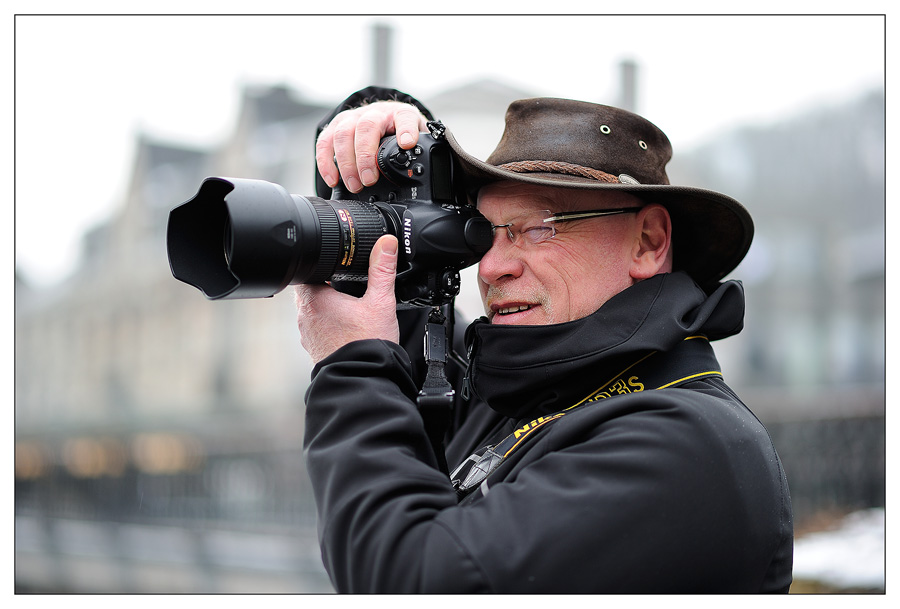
(574, 144)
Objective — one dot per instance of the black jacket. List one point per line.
(637, 489)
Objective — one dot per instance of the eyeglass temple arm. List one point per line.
(591, 214)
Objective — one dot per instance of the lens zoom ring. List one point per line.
(370, 226)
(343, 257)
(330, 235)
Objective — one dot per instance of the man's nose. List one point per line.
(503, 260)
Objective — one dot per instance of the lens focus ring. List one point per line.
(349, 230)
(330, 235)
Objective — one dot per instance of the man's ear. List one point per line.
(652, 249)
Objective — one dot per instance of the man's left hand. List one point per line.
(329, 319)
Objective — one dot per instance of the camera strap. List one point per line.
(435, 400)
(691, 360)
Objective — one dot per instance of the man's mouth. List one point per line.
(513, 309)
(512, 313)
(524, 307)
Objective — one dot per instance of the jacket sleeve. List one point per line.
(378, 487)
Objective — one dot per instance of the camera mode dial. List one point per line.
(400, 165)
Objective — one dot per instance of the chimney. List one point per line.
(381, 55)
(628, 84)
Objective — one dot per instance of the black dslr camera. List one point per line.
(239, 238)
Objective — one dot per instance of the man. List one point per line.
(594, 445)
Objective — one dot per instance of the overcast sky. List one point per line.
(86, 86)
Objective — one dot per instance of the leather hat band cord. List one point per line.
(560, 167)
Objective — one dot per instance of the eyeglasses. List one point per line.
(538, 226)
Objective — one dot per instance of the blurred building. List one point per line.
(141, 404)
(139, 401)
(811, 360)
(815, 273)
(121, 345)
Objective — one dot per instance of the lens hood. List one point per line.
(240, 238)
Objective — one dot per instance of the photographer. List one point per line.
(594, 446)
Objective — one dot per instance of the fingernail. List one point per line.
(353, 184)
(390, 247)
(369, 177)
(406, 140)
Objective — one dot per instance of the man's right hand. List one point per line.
(351, 141)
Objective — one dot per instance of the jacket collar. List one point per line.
(523, 371)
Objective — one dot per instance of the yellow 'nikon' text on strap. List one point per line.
(692, 360)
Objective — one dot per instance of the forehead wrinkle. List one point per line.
(532, 197)
(517, 203)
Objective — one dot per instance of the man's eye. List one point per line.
(537, 234)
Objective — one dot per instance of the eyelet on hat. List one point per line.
(642, 144)
(605, 129)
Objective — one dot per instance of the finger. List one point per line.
(382, 270)
(408, 123)
(325, 158)
(345, 154)
(374, 123)
(377, 121)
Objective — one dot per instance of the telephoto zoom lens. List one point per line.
(240, 238)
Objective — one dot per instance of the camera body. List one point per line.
(241, 238)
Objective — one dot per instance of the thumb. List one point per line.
(383, 268)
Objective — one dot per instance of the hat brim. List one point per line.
(712, 232)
